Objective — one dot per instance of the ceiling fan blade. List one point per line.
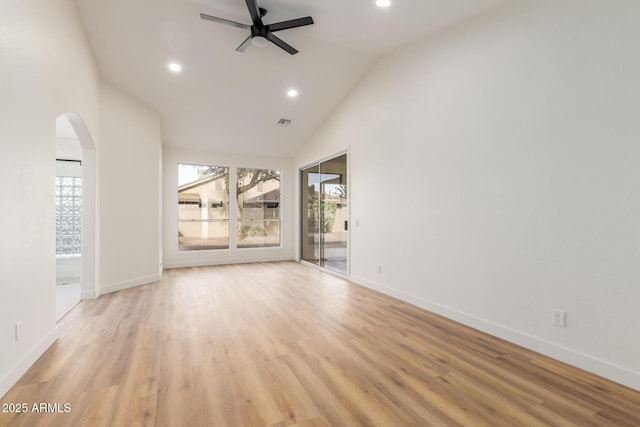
(285, 25)
(244, 45)
(254, 11)
(223, 21)
(281, 44)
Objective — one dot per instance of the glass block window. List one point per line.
(68, 215)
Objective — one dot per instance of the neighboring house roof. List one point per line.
(268, 197)
(198, 182)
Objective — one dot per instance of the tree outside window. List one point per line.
(258, 207)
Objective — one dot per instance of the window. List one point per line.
(203, 207)
(258, 197)
(68, 215)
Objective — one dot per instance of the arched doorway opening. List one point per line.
(75, 213)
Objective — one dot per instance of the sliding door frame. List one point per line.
(302, 233)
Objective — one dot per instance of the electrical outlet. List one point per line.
(379, 269)
(18, 330)
(559, 318)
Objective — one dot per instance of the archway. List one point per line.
(74, 144)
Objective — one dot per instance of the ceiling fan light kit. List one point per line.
(259, 41)
(262, 34)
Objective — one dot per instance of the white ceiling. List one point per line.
(231, 102)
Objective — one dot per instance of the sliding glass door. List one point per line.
(325, 214)
(310, 199)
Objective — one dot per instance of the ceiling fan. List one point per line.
(262, 34)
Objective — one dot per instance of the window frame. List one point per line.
(259, 186)
(185, 248)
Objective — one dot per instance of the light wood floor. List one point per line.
(284, 344)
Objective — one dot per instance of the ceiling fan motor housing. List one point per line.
(262, 34)
(258, 32)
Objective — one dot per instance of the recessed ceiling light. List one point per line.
(292, 93)
(175, 67)
(383, 3)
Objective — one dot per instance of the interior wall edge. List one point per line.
(618, 374)
(92, 294)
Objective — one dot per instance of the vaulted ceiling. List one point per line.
(227, 101)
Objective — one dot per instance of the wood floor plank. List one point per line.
(321, 391)
(282, 344)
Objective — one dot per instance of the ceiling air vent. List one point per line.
(284, 122)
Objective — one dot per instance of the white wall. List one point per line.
(129, 168)
(65, 168)
(47, 69)
(510, 146)
(68, 268)
(173, 258)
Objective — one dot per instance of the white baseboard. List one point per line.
(570, 356)
(112, 287)
(88, 295)
(18, 370)
(244, 260)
